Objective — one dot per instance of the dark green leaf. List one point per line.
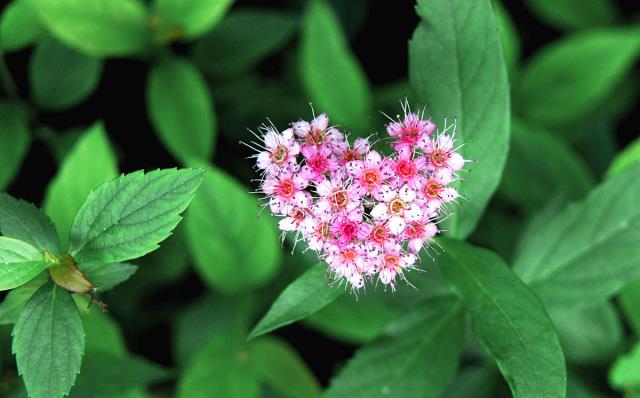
(303, 297)
(23, 221)
(14, 141)
(457, 68)
(630, 302)
(19, 263)
(181, 109)
(508, 36)
(19, 26)
(507, 319)
(476, 382)
(60, 76)
(192, 18)
(574, 14)
(14, 302)
(128, 217)
(102, 334)
(629, 157)
(331, 75)
(49, 342)
(107, 276)
(418, 361)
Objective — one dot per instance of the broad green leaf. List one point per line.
(97, 27)
(476, 382)
(232, 247)
(457, 68)
(556, 87)
(128, 217)
(181, 109)
(23, 221)
(279, 366)
(102, 334)
(574, 14)
(90, 163)
(539, 167)
(331, 75)
(14, 302)
(192, 18)
(507, 319)
(503, 240)
(19, 26)
(242, 39)
(107, 276)
(60, 76)
(19, 263)
(588, 334)
(415, 361)
(629, 300)
(589, 250)
(14, 141)
(508, 36)
(303, 297)
(48, 342)
(629, 156)
(625, 373)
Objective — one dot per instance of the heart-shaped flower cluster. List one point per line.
(366, 214)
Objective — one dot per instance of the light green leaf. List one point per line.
(19, 26)
(242, 39)
(23, 221)
(14, 141)
(108, 276)
(19, 263)
(574, 14)
(629, 156)
(17, 298)
(97, 27)
(90, 163)
(181, 109)
(279, 366)
(303, 297)
(49, 342)
(556, 87)
(233, 248)
(507, 319)
(629, 300)
(508, 36)
(60, 76)
(331, 75)
(589, 250)
(193, 18)
(415, 361)
(457, 68)
(625, 373)
(128, 217)
(102, 333)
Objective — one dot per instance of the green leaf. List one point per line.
(232, 248)
(556, 88)
(14, 141)
(574, 14)
(589, 250)
(625, 373)
(98, 27)
(508, 36)
(192, 18)
(541, 166)
(60, 76)
(19, 26)
(90, 163)
(629, 300)
(14, 302)
(279, 366)
(107, 276)
(331, 75)
(457, 68)
(102, 333)
(128, 217)
(242, 39)
(181, 109)
(588, 334)
(507, 319)
(629, 156)
(19, 263)
(415, 361)
(476, 382)
(303, 297)
(48, 342)
(23, 221)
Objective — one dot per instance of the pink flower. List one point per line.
(441, 158)
(418, 232)
(319, 162)
(369, 174)
(398, 208)
(409, 131)
(313, 133)
(281, 152)
(393, 262)
(285, 191)
(408, 169)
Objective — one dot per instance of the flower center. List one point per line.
(396, 207)
(371, 177)
(405, 169)
(438, 158)
(379, 234)
(286, 188)
(318, 163)
(390, 261)
(350, 155)
(433, 189)
(323, 230)
(349, 230)
(414, 230)
(340, 199)
(315, 137)
(279, 155)
(348, 256)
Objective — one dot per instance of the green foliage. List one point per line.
(574, 14)
(19, 263)
(630, 302)
(19, 26)
(14, 141)
(181, 109)
(17, 298)
(625, 159)
(23, 221)
(508, 37)
(625, 374)
(107, 276)
(191, 18)
(459, 79)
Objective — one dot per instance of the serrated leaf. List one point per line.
(60, 76)
(221, 219)
(19, 263)
(191, 18)
(279, 366)
(589, 250)
(457, 68)
(89, 163)
(15, 140)
(181, 109)
(303, 297)
(48, 342)
(19, 26)
(23, 221)
(108, 276)
(98, 27)
(416, 361)
(628, 157)
(338, 87)
(14, 302)
(574, 14)
(128, 217)
(507, 319)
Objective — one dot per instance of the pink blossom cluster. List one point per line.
(366, 214)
